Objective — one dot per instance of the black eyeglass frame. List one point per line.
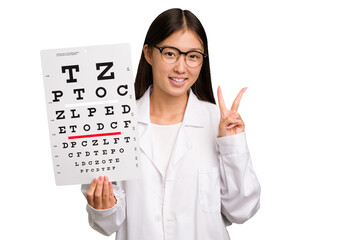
(161, 49)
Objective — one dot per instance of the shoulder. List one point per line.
(211, 112)
(209, 118)
(210, 107)
(204, 109)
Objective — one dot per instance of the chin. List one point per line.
(178, 92)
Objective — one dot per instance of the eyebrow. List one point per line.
(197, 49)
(191, 49)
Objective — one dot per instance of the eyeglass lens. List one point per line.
(192, 58)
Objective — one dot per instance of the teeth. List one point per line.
(178, 79)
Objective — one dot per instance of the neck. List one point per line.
(167, 109)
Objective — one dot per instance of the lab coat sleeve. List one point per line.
(107, 221)
(240, 189)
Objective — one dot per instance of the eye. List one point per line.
(194, 56)
(170, 53)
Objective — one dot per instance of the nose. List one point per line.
(180, 65)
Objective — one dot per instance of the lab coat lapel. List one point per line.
(193, 117)
(181, 147)
(144, 128)
(146, 142)
(148, 147)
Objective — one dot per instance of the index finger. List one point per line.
(105, 192)
(221, 101)
(90, 193)
(99, 192)
(236, 102)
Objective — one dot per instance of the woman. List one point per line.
(197, 175)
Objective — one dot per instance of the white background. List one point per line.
(299, 59)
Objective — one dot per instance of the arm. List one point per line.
(240, 189)
(106, 205)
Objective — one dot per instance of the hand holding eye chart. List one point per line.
(91, 108)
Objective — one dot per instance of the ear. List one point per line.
(148, 54)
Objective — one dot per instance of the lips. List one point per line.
(178, 80)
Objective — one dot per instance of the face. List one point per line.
(174, 79)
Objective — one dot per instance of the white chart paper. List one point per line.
(91, 108)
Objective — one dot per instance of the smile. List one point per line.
(178, 79)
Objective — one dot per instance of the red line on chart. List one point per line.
(94, 135)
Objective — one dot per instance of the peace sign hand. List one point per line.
(230, 120)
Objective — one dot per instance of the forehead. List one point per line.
(185, 40)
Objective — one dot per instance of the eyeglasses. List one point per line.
(171, 55)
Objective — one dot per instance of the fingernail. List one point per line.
(94, 180)
(100, 178)
(237, 120)
(105, 178)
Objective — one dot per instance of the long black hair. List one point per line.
(161, 28)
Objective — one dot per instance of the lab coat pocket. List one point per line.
(209, 189)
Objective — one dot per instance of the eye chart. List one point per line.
(91, 109)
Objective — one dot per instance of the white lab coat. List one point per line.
(210, 182)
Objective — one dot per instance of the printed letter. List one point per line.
(57, 94)
(107, 65)
(71, 76)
